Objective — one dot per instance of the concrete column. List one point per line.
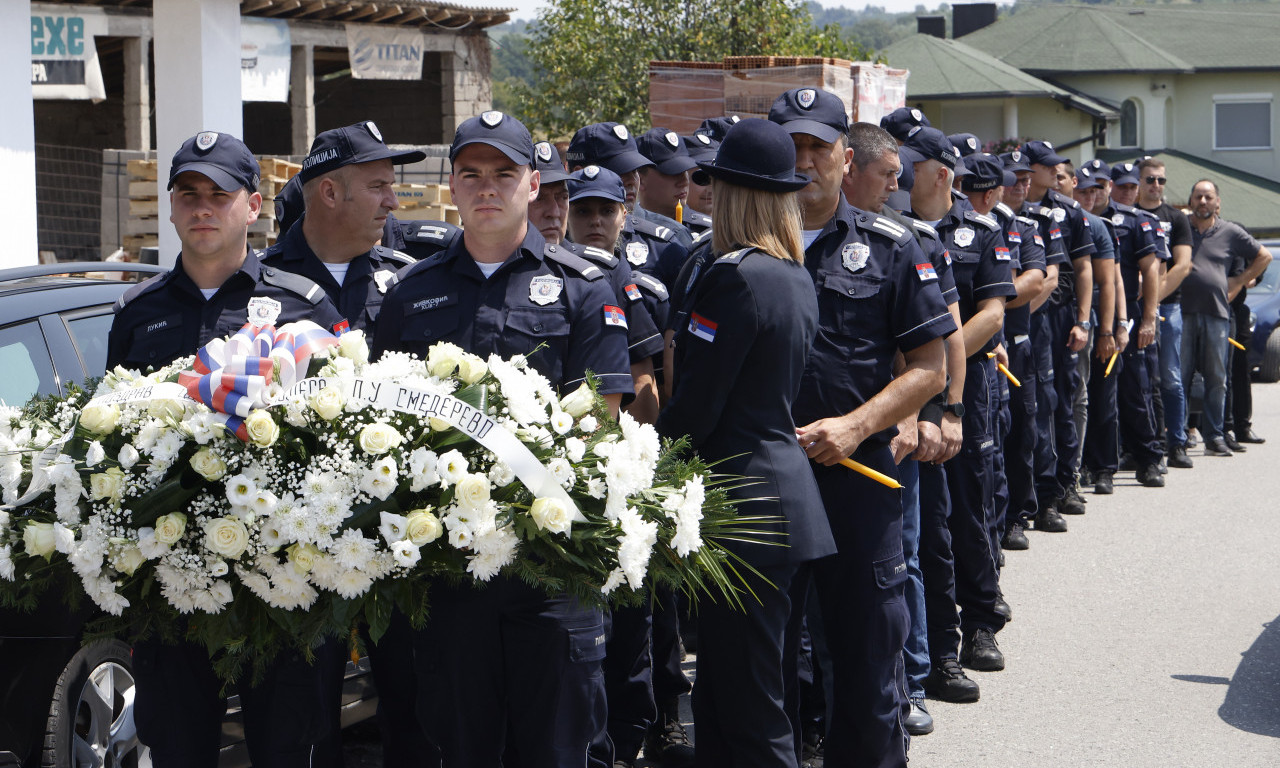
(467, 88)
(137, 93)
(197, 52)
(17, 137)
(302, 97)
(1011, 118)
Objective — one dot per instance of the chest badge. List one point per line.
(1059, 214)
(384, 279)
(263, 311)
(1118, 219)
(545, 289)
(964, 237)
(637, 253)
(854, 256)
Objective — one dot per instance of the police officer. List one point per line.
(507, 664)
(740, 359)
(700, 146)
(549, 213)
(667, 182)
(902, 121)
(877, 297)
(717, 127)
(215, 286)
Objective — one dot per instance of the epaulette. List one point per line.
(271, 250)
(1028, 221)
(561, 254)
(1125, 208)
(925, 229)
(146, 286)
(391, 254)
(600, 255)
(700, 237)
(651, 284)
(983, 219)
(420, 266)
(440, 233)
(1006, 211)
(733, 257)
(885, 226)
(646, 227)
(697, 218)
(1062, 199)
(294, 283)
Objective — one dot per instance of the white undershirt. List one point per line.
(809, 236)
(488, 268)
(339, 271)
(208, 293)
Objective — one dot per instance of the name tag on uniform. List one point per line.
(614, 316)
(702, 327)
(545, 289)
(263, 311)
(431, 302)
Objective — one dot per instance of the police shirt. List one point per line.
(877, 294)
(644, 340)
(928, 240)
(1031, 255)
(980, 261)
(421, 238)
(368, 278)
(542, 295)
(1136, 237)
(1050, 233)
(651, 248)
(679, 234)
(696, 222)
(1077, 243)
(168, 317)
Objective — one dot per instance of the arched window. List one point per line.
(1129, 117)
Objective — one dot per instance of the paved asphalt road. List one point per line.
(1148, 635)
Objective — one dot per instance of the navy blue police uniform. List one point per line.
(420, 238)
(179, 705)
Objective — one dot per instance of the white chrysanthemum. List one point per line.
(352, 549)
(615, 579)
(6, 562)
(493, 550)
(688, 516)
(588, 424)
(519, 391)
(241, 490)
(221, 594)
(635, 546)
(352, 583)
(257, 583)
(316, 483)
(596, 488)
(167, 447)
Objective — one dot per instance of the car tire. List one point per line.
(91, 715)
(1269, 369)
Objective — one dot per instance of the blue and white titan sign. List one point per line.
(64, 60)
(385, 53)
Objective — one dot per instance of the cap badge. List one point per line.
(1017, 156)
(545, 289)
(972, 143)
(806, 97)
(964, 237)
(672, 139)
(917, 114)
(263, 311)
(854, 256)
(734, 118)
(373, 129)
(914, 131)
(1085, 172)
(544, 151)
(491, 118)
(621, 132)
(206, 139)
(637, 253)
(1047, 145)
(1128, 167)
(591, 171)
(703, 138)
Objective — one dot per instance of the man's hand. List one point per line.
(1002, 355)
(1103, 346)
(1076, 338)
(952, 435)
(827, 441)
(1122, 338)
(929, 441)
(1146, 333)
(905, 443)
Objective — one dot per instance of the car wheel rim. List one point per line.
(104, 735)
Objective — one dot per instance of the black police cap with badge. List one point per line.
(1124, 173)
(594, 181)
(700, 146)
(1015, 161)
(758, 154)
(927, 143)
(546, 161)
(1085, 179)
(358, 143)
(221, 158)
(717, 127)
(664, 149)
(498, 130)
(812, 111)
(967, 143)
(986, 172)
(1042, 153)
(608, 145)
(900, 121)
(1099, 169)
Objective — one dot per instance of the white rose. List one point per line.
(353, 346)
(127, 559)
(101, 419)
(472, 491)
(579, 401)
(170, 528)
(128, 456)
(438, 424)
(588, 424)
(471, 369)
(166, 409)
(262, 429)
(328, 403)
(551, 515)
(422, 527)
(106, 485)
(443, 358)
(226, 536)
(405, 553)
(379, 438)
(95, 454)
(303, 557)
(208, 464)
(39, 539)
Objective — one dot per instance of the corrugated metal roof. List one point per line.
(429, 14)
(1060, 39)
(950, 69)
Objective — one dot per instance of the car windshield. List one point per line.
(1269, 282)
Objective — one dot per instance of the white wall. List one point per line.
(17, 137)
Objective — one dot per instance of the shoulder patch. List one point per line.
(651, 284)
(426, 231)
(924, 228)
(646, 227)
(390, 254)
(1005, 211)
(1028, 221)
(983, 219)
(572, 261)
(297, 284)
(733, 257)
(592, 253)
(145, 287)
(887, 227)
(699, 237)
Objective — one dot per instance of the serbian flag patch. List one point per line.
(926, 272)
(614, 316)
(633, 292)
(702, 327)
(1002, 254)
(341, 328)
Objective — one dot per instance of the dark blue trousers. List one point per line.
(628, 678)
(1101, 437)
(1138, 424)
(1057, 423)
(999, 507)
(1020, 447)
(1046, 449)
(937, 565)
(404, 742)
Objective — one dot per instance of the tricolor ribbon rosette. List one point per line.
(238, 375)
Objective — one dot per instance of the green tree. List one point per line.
(590, 58)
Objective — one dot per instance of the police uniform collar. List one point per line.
(294, 247)
(532, 246)
(251, 268)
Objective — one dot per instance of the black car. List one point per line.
(63, 705)
(1263, 300)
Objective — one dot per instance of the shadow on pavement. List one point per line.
(1253, 698)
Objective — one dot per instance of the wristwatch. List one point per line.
(1084, 325)
(955, 409)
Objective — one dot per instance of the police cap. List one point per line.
(594, 181)
(814, 111)
(546, 161)
(900, 121)
(985, 172)
(665, 150)
(500, 131)
(220, 157)
(608, 145)
(1124, 173)
(358, 143)
(1041, 153)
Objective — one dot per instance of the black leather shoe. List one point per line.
(1072, 502)
(1179, 459)
(948, 682)
(1002, 608)
(1249, 436)
(919, 722)
(1126, 463)
(1049, 521)
(1015, 538)
(1150, 476)
(1102, 484)
(1086, 476)
(979, 651)
(1232, 443)
(1217, 447)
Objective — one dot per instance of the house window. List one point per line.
(1242, 121)
(1129, 123)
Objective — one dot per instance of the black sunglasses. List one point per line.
(1156, 180)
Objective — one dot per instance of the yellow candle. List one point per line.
(679, 213)
(1110, 363)
(866, 471)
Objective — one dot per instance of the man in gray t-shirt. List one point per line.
(1224, 258)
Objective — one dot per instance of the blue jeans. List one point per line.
(915, 653)
(1171, 392)
(1204, 348)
